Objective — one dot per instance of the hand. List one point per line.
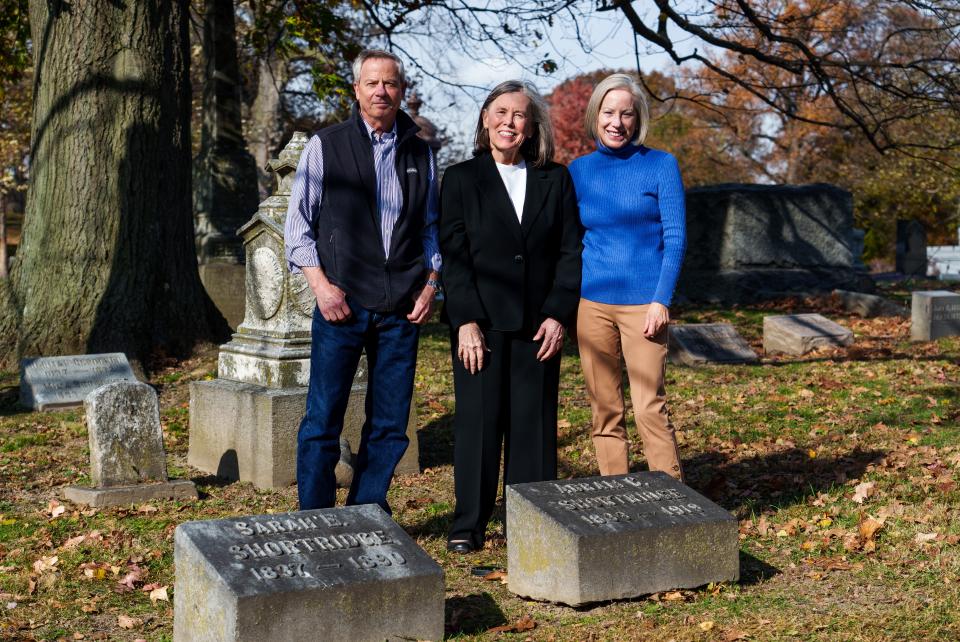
(471, 347)
(658, 317)
(422, 305)
(330, 299)
(552, 334)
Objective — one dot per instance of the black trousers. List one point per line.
(511, 402)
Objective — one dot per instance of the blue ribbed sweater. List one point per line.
(632, 208)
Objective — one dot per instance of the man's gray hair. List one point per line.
(539, 148)
(604, 87)
(367, 54)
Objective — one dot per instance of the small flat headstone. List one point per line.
(335, 574)
(64, 382)
(127, 460)
(934, 314)
(694, 344)
(603, 538)
(798, 334)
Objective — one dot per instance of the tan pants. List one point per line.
(605, 333)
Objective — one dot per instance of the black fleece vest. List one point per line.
(348, 226)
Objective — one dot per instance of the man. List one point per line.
(362, 228)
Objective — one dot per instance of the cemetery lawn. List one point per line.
(842, 467)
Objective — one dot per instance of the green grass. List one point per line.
(783, 445)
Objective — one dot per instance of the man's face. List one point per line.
(379, 91)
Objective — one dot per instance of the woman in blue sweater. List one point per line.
(632, 209)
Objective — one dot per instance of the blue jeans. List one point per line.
(391, 344)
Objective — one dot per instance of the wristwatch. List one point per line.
(435, 284)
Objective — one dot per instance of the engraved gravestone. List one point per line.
(64, 382)
(934, 314)
(694, 344)
(349, 574)
(604, 538)
(798, 334)
(127, 461)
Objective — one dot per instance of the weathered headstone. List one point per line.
(64, 382)
(243, 425)
(694, 344)
(911, 250)
(868, 305)
(604, 538)
(749, 242)
(798, 334)
(127, 460)
(338, 574)
(935, 314)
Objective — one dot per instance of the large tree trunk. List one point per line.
(225, 176)
(107, 260)
(266, 121)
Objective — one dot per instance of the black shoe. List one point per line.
(461, 546)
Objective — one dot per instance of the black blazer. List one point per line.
(498, 272)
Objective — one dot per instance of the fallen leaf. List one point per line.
(526, 623)
(705, 626)
(127, 622)
(868, 528)
(863, 491)
(923, 538)
(129, 580)
(55, 509)
(495, 575)
(734, 636)
(159, 594)
(73, 541)
(45, 564)
(673, 596)
(147, 508)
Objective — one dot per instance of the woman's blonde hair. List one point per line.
(539, 148)
(605, 86)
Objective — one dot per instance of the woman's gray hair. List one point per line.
(538, 149)
(605, 86)
(367, 54)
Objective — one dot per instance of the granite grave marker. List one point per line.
(64, 382)
(798, 334)
(127, 461)
(604, 538)
(336, 574)
(934, 314)
(694, 344)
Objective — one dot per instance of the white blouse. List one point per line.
(515, 180)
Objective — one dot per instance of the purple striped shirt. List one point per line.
(299, 231)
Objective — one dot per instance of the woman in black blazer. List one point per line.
(510, 240)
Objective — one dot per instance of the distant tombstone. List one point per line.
(604, 538)
(127, 460)
(694, 344)
(336, 574)
(911, 254)
(935, 314)
(63, 382)
(798, 334)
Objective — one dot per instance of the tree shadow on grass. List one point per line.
(472, 614)
(772, 480)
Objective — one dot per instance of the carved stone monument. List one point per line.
(63, 382)
(587, 540)
(749, 242)
(127, 462)
(935, 314)
(243, 425)
(798, 334)
(337, 574)
(694, 344)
